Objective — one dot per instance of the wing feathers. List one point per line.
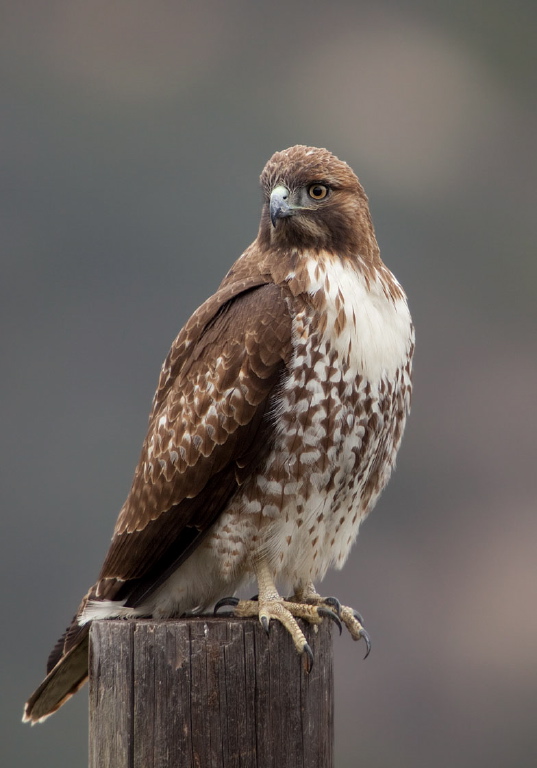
(209, 429)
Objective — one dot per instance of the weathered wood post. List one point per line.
(208, 693)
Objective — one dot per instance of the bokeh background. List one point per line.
(133, 136)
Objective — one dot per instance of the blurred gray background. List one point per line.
(133, 137)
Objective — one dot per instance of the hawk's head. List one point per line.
(313, 200)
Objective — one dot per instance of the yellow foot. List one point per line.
(286, 613)
(351, 618)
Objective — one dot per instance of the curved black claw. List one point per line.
(254, 598)
(330, 615)
(367, 639)
(307, 655)
(233, 601)
(265, 623)
(334, 602)
(358, 616)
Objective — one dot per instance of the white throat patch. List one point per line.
(377, 331)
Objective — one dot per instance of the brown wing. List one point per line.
(209, 428)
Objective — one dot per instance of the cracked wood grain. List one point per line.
(208, 692)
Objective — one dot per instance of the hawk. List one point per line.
(274, 428)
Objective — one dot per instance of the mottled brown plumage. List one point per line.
(274, 428)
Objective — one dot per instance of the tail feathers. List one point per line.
(67, 640)
(63, 680)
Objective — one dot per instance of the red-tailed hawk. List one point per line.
(274, 428)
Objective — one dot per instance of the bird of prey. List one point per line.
(274, 428)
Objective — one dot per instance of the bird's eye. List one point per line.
(318, 191)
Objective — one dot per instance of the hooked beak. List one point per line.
(279, 204)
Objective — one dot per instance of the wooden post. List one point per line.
(208, 693)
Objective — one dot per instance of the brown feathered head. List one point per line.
(314, 200)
